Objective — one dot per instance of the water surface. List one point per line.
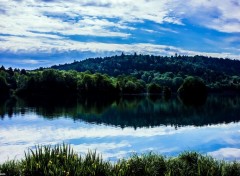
(117, 127)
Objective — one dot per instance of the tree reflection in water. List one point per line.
(129, 111)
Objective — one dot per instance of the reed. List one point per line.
(61, 160)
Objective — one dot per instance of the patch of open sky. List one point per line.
(63, 16)
(48, 33)
(9, 35)
(210, 40)
(101, 39)
(14, 60)
(97, 4)
(48, 0)
(183, 36)
(2, 11)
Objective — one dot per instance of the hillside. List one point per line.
(217, 73)
(126, 74)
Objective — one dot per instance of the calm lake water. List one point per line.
(120, 127)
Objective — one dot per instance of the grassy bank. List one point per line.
(62, 160)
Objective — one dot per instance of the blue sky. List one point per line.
(36, 33)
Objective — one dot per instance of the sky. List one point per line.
(42, 33)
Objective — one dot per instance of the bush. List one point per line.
(193, 91)
(154, 88)
(4, 88)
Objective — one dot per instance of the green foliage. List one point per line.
(125, 74)
(192, 86)
(71, 82)
(193, 91)
(57, 160)
(130, 85)
(62, 160)
(55, 82)
(11, 168)
(96, 83)
(146, 164)
(177, 82)
(4, 88)
(217, 73)
(154, 88)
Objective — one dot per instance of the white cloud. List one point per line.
(30, 61)
(17, 45)
(89, 17)
(24, 61)
(78, 17)
(41, 26)
(30, 16)
(220, 15)
(167, 30)
(226, 153)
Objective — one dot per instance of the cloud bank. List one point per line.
(208, 27)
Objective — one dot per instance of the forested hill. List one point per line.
(216, 72)
(126, 74)
(130, 64)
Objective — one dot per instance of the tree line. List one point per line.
(57, 82)
(218, 74)
(126, 74)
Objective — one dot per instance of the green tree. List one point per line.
(130, 87)
(193, 90)
(154, 88)
(177, 82)
(4, 88)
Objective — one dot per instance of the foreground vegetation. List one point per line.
(62, 160)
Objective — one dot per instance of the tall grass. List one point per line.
(61, 160)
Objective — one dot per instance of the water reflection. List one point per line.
(116, 127)
(130, 111)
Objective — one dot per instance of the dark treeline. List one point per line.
(126, 74)
(218, 74)
(54, 82)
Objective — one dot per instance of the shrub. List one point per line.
(193, 91)
(154, 88)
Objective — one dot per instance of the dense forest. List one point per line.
(55, 82)
(217, 73)
(126, 74)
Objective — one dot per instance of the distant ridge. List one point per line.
(148, 67)
(217, 73)
(128, 74)
(130, 64)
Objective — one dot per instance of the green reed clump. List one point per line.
(195, 164)
(10, 168)
(61, 160)
(146, 164)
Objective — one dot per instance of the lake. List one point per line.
(119, 127)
